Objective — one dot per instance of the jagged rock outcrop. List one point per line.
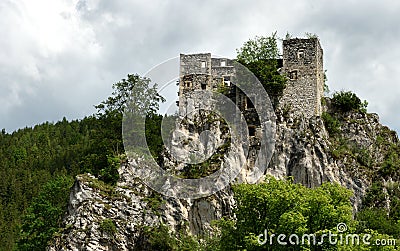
(305, 151)
(101, 217)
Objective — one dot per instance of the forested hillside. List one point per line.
(31, 157)
(38, 166)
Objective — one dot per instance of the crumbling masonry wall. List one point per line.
(202, 72)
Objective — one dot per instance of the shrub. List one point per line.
(162, 238)
(108, 226)
(259, 56)
(390, 165)
(110, 174)
(377, 219)
(346, 101)
(331, 123)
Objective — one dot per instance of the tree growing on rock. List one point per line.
(260, 55)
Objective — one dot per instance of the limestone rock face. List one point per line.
(304, 150)
(131, 207)
(92, 203)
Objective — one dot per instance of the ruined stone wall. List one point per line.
(195, 63)
(303, 65)
(190, 66)
(201, 72)
(222, 67)
(194, 82)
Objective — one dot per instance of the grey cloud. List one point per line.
(359, 40)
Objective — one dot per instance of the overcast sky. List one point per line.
(60, 57)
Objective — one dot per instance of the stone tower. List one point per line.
(303, 65)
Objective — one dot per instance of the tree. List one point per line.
(257, 49)
(134, 94)
(347, 101)
(282, 207)
(260, 55)
(44, 215)
(134, 103)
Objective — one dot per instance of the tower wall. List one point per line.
(202, 72)
(195, 64)
(303, 65)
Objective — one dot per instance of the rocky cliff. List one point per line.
(348, 148)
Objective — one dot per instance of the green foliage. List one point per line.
(134, 95)
(31, 157)
(346, 101)
(108, 226)
(283, 207)
(160, 238)
(260, 56)
(363, 156)
(259, 48)
(223, 89)
(266, 72)
(104, 189)
(110, 174)
(332, 124)
(379, 213)
(363, 107)
(154, 202)
(375, 196)
(390, 167)
(342, 148)
(391, 164)
(375, 236)
(153, 135)
(44, 215)
(378, 219)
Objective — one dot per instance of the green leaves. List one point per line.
(110, 174)
(44, 215)
(282, 207)
(378, 212)
(134, 95)
(259, 48)
(260, 55)
(347, 101)
(108, 226)
(332, 124)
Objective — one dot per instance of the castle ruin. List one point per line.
(302, 63)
